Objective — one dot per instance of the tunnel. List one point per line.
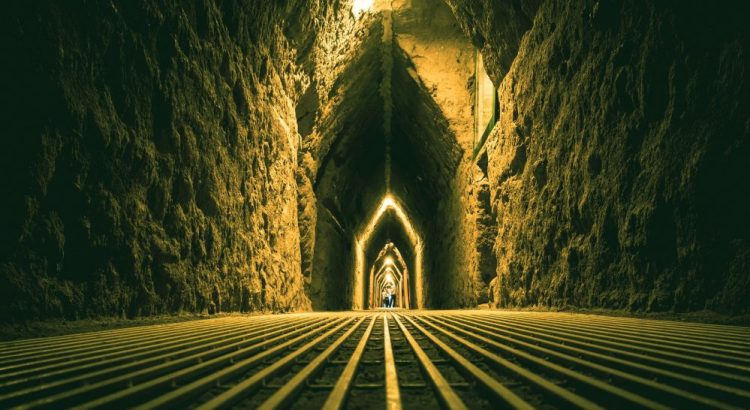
(388, 138)
(358, 203)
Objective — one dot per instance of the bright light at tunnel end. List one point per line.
(361, 6)
(361, 240)
(389, 261)
(388, 202)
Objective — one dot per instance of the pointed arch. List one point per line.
(390, 260)
(361, 240)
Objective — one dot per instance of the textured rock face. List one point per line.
(496, 28)
(224, 155)
(618, 171)
(149, 155)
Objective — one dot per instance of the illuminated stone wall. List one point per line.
(618, 171)
(341, 175)
(149, 153)
(221, 156)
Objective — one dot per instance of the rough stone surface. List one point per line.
(160, 157)
(149, 155)
(618, 171)
(496, 28)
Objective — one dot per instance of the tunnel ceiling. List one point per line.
(424, 154)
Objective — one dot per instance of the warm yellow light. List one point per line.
(361, 6)
(388, 202)
(389, 261)
(388, 277)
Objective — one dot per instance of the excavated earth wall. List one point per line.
(618, 170)
(149, 154)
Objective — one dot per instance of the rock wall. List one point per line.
(496, 28)
(149, 154)
(618, 170)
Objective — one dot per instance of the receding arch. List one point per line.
(389, 260)
(361, 240)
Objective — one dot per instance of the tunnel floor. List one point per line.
(410, 359)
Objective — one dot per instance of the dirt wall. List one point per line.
(618, 170)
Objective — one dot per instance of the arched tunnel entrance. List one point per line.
(389, 245)
(388, 283)
(384, 166)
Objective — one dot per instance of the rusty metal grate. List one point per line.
(410, 359)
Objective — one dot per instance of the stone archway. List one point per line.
(388, 205)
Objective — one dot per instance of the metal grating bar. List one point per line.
(457, 359)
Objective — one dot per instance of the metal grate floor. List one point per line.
(409, 359)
